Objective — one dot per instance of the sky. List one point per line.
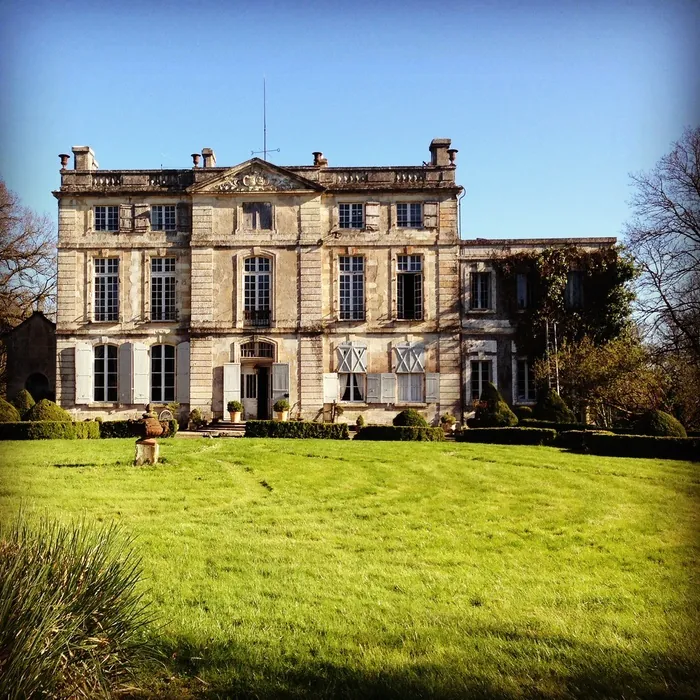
(551, 104)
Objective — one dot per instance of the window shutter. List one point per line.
(126, 217)
(142, 217)
(388, 391)
(330, 387)
(432, 388)
(280, 381)
(182, 363)
(430, 214)
(142, 374)
(83, 373)
(124, 382)
(232, 383)
(183, 216)
(374, 388)
(372, 216)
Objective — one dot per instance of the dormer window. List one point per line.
(257, 216)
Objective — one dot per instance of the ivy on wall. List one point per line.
(605, 311)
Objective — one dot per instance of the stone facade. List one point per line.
(324, 285)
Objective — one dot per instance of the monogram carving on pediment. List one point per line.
(255, 181)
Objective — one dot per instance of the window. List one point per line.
(573, 295)
(163, 373)
(410, 388)
(107, 218)
(105, 373)
(525, 382)
(250, 386)
(352, 387)
(410, 372)
(163, 289)
(257, 215)
(351, 215)
(409, 215)
(481, 374)
(106, 289)
(257, 349)
(523, 290)
(352, 287)
(256, 291)
(480, 290)
(409, 304)
(352, 368)
(163, 217)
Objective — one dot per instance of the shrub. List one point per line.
(281, 405)
(493, 411)
(234, 406)
(8, 413)
(360, 422)
(23, 402)
(49, 430)
(195, 418)
(73, 623)
(410, 417)
(119, 429)
(659, 423)
(296, 429)
(522, 412)
(447, 419)
(403, 433)
(610, 445)
(508, 436)
(551, 407)
(47, 410)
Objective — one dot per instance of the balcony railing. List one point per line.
(257, 318)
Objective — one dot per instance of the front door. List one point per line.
(264, 393)
(249, 392)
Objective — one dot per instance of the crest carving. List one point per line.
(255, 180)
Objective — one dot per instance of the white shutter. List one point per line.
(430, 214)
(182, 363)
(410, 357)
(280, 381)
(372, 216)
(432, 388)
(142, 374)
(330, 387)
(126, 219)
(83, 373)
(232, 383)
(374, 388)
(352, 357)
(388, 390)
(125, 382)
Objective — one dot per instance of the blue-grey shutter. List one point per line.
(182, 363)
(330, 387)
(388, 387)
(432, 387)
(125, 373)
(232, 383)
(280, 381)
(142, 374)
(83, 373)
(374, 394)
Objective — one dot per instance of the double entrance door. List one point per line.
(255, 391)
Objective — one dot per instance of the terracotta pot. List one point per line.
(235, 416)
(281, 415)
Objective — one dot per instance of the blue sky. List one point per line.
(551, 104)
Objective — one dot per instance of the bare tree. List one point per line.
(664, 237)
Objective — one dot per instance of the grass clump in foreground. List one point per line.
(302, 568)
(72, 623)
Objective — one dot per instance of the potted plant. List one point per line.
(448, 422)
(234, 409)
(281, 409)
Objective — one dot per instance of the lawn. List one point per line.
(289, 568)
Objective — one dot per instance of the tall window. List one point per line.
(410, 287)
(523, 290)
(352, 368)
(162, 289)
(410, 372)
(573, 295)
(106, 289)
(526, 381)
(481, 375)
(352, 287)
(164, 217)
(256, 291)
(105, 373)
(480, 290)
(257, 215)
(163, 373)
(409, 215)
(351, 215)
(107, 218)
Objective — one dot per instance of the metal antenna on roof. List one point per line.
(265, 150)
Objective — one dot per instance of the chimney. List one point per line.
(438, 152)
(209, 158)
(319, 160)
(84, 158)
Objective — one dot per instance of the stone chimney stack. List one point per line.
(438, 152)
(84, 158)
(209, 158)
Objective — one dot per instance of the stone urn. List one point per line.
(147, 447)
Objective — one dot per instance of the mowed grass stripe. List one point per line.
(289, 567)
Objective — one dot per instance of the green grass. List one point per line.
(285, 568)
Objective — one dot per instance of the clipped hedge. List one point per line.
(296, 429)
(49, 430)
(508, 436)
(403, 433)
(132, 428)
(47, 410)
(611, 445)
(559, 427)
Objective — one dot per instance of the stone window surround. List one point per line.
(146, 292)
(479, 266)
(90, 257)
(254, 337)
(239, 229)
(514, 377)
(479, 350)
(239, 280)
(394, 276)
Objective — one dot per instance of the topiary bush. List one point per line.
(659, 423)
(551, 407)
(8, 413)
(47, 410)
(523, 412)
(23, 402)
(410, 417)
(493, 411)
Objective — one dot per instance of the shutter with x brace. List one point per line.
(352, 358)
(410, 357)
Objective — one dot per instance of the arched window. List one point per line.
(256, 291)
(105, 373)
(258, 348)
(162, 373)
